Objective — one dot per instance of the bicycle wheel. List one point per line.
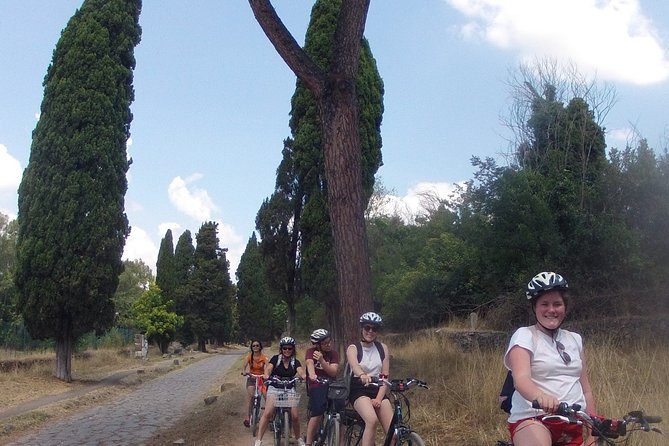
(255, 416)
(332, 430)
(353, 435)
(413, 439)
(285, 428)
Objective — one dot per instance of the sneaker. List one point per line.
(246, 423)
(300, 442)
(258, 443)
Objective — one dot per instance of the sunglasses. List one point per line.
(563, 354)
(286, 348)
(255, 345)
(370, 328)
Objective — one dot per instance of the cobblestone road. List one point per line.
(136, 417)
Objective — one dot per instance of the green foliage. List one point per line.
(297, 214)
(133, 281)
(183, 270)
(255, 302)
(8, 292)
(165, 274)
(72, 227)
(155, 317)
(210, 303)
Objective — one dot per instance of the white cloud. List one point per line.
(175, 227)
(228, 238)
(10, 178)
(419, 200)
(192, 201)
(610, 38)
(619, 137)
(140, 246)
(10, 171)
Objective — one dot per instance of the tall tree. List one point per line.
(72, 227)
(210, 303)
(255, 302)
(8, 234)
(165, 276)
(334, 89)
(183, 270)
(133, 281)
(154, 315)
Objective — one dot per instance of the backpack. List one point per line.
(506, 394)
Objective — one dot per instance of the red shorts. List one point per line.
(562, 433)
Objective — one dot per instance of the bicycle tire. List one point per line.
(278, 429)
(353, 435)
(255, 417)
(332, 430)
(413, 439)
(285, 434)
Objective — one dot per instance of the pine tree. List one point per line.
(72, 225)
(300, 200)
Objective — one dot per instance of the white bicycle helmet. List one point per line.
(543, 282)
(319, 335)
(371, 318)
(287, 340)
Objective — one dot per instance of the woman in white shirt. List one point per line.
(548, 366)
(368, 359)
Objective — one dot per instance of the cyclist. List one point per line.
(548, 365)
(322, 362)
(254, 363)
(369, 359)
(285, 365)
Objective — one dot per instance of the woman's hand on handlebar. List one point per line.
(547, 403)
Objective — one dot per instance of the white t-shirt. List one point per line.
(549, 372)
(371, 360)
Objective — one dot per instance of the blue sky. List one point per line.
(213, 97)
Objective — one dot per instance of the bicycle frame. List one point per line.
(331, 419)
(398, 429)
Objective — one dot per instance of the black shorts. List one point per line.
(318, 400)
(358, 390)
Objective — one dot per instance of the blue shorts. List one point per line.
(318, 400)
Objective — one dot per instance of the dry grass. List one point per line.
(461, 406)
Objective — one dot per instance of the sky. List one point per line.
(212, 96)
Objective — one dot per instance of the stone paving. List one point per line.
(138, 416)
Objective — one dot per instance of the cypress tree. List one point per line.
(183, 269)
(72, 225)
(165, 275)
(210, 302)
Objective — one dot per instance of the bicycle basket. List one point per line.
(337, 391)
(287, 399)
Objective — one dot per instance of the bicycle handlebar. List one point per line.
(606, 427)
(278, 382)
(251, 375)
(399, 385)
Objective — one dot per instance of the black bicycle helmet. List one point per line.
(287, 340)
(543, 282)
(371, 318)
(319, 335)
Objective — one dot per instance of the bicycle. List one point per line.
(282, 424)
(606, 430)
(399, 428)
(256, 399)
(328, 433)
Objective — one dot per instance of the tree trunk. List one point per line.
(341, 145)
(64, 345)
(202, 345)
